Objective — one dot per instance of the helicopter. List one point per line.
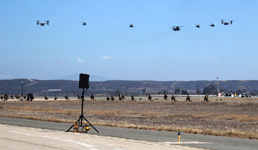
(84, 23)
(212, 25)
(131, 25)
(197, 26)
(176, 28)
(42, 23)
(226, 23)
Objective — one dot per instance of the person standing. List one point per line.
(206, 98)
(165, 96)
(132, 97)
(149, 97)
(92, 97)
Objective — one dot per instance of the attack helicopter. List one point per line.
(226, 23)
(84, 23)
(212, 25)
(177, 28)
(131, 25)
(197, 26)
(42, 23)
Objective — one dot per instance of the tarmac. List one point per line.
(20, 138)
(129, 136)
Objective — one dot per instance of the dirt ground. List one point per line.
(236, 119)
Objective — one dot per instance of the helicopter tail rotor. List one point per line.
(222, 22)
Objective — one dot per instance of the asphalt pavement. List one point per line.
(192, 140)
(20, 138)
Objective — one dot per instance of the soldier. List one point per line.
(119, 97)
(79, 96)
(165, 96)
(188, 98)
(206, 98)
(108, 98)
(17, 96)
(173, 98)
(123, 96)
(6, 97)
(132, 97)
(46, 98)
(66, 97)
(55, 97)
(2, 97)
(149, 97)
(112, 98)
(30, 97)
(24, 97)
(92, 97)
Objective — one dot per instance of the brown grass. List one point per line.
(241, 118)
(148, 115)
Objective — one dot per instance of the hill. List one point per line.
(75, 77)
(42, 87)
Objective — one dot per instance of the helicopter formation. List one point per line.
(175, 28)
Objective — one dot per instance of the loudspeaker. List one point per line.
(84, 81)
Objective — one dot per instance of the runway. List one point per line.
(158, 138)
(18, 138)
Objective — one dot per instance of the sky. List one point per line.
(108, 47)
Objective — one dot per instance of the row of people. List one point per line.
(121, 97)
(173, 98)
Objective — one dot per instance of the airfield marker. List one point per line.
(178, 136)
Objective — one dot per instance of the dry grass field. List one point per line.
(233, 119)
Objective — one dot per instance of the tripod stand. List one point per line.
(79, 121)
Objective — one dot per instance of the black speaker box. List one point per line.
(84, 81)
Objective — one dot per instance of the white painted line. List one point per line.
(56, 138)
(193, 142)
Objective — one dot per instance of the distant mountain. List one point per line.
(75, 77)
(42, 87)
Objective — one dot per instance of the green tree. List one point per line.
(210, 89)
(177, 90)
(184, 92)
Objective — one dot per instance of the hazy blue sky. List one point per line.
(107, 47)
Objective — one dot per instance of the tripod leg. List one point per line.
(73, 125)
(91, 125)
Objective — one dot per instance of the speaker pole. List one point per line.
(82, 105)
(83, 83)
